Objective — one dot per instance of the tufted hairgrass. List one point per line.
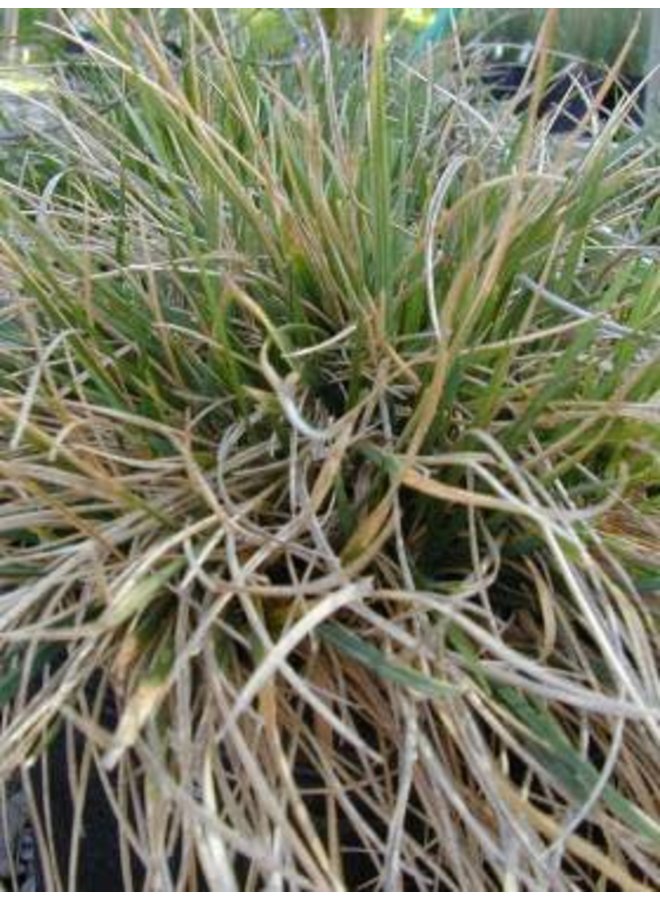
(330, 431)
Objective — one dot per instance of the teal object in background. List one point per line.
(439, 28)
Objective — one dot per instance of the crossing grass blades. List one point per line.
(330, 521)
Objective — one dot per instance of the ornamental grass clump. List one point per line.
(330, 429)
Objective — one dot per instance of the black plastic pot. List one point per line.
(567, 98)
(98, 851)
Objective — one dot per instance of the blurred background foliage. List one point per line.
(595, 35)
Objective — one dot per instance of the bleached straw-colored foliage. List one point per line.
(330, 428)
